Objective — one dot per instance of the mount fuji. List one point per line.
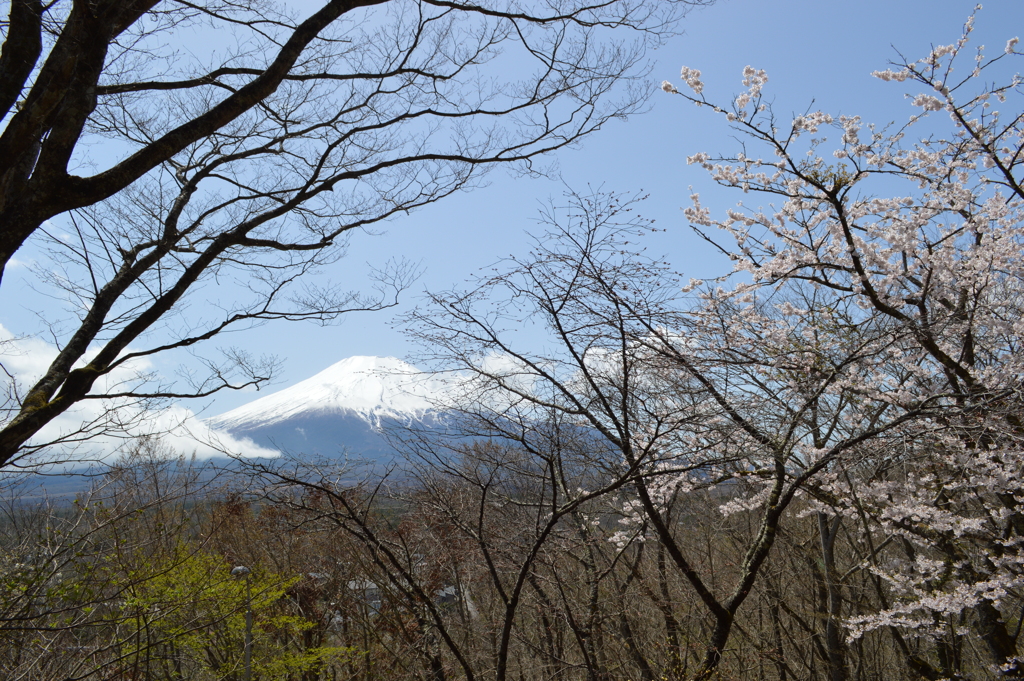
(341, 411)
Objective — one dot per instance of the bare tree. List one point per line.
(690, 396)
(255, 164)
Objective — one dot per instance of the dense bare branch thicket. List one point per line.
(155, 148)
(681, 399)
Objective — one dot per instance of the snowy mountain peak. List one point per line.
(370, 387)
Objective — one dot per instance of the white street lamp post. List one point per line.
(242, 571)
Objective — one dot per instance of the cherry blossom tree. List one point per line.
(915, 233)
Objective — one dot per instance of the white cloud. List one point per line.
(99, 429)
(497, 384)
(178, 427)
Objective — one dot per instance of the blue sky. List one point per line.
(822, 51)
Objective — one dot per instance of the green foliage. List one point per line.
(188, 621)
(831, 178)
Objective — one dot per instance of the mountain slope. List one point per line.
(339, 411)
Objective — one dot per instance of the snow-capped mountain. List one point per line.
(341, 410)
